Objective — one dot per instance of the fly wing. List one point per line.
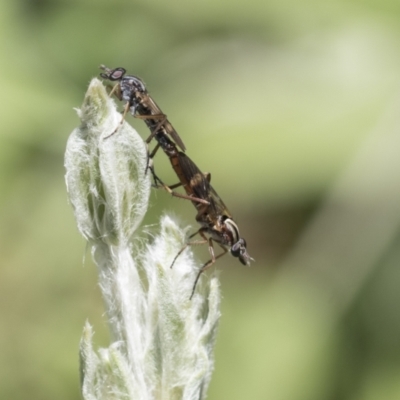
(194, 181)
(218, 204)
(198, 185)
(174, 135)
(156, 110)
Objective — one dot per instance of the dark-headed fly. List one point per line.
(140, 104)
(217, 224)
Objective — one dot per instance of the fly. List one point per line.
(140, 104)
(213, 216)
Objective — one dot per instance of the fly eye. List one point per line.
(235, 252)
(239, 250)
(236, 249)
(115, 75)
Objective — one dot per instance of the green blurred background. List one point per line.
(294, 108)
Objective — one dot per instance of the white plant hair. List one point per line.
(161, 341)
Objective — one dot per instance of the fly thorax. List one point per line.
(126, 94)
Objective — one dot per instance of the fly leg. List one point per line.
(170, 188)
(162, 118)
(157, 181)
(209, 263)
(193, 243)
(126, 108)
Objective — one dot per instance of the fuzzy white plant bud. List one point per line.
(162, 342)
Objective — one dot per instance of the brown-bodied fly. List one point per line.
(138, 101)
(214, 217)
(140, 104)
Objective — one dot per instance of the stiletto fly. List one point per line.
(214, 217)
(140, 104)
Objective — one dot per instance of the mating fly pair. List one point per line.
(212, 214)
